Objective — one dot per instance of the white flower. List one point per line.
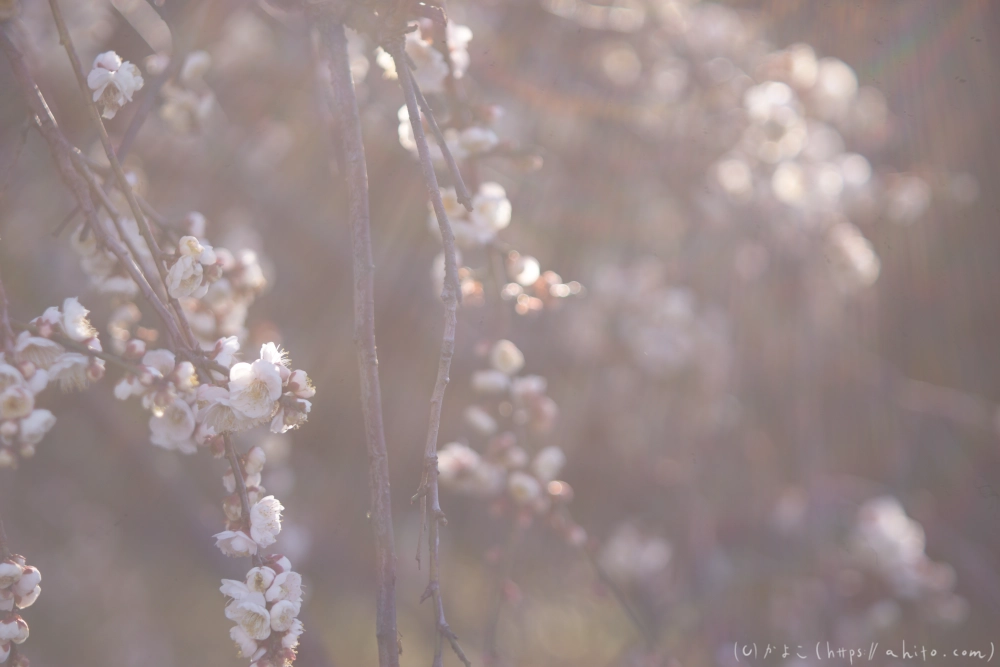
(300, 385)
(74, 321)
(250, 612)
(25, 601)
(246, 644)
(16, 402)
(287, 586)
(174, 428)
(5, 650)
(490, 207)
(41, 352)
(235, 543)
(30, 578)
(217, 413)
(113, 82)
(254, 388)
(35, 426)
(10, 573)
(480, 420)
(185, 278)
(506, 357)
(259, 579)
(71, 371)
(189, 246)
(265, 521)
(234, 589)
(226, 349)
(291, 638)
(478, 139)
(10, 629)
(548, 463)
(288, 416)
(9, 376)
(283, 614)
(195, 66)
(523, 487)
(6, 600)
(490, 381)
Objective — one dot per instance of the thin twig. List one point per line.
(71, 344)
(95, 117)
(450, 296)
(21, 140)
(460, 190)
(62, 153)
(352, 152)
(241, 489)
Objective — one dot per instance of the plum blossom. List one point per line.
(235, 543)
(265, 521)
(113, 81)
(186, 277)
(254, 388)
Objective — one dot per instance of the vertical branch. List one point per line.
(450, 296)
(4, 547)
(241, 488)
(6, 335)
(351, 148)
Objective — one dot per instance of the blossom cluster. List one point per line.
(265, 608)
(19, 588)
(431, 68)
(243, 537)
(888, 543)
(36, 361)
(506, 471)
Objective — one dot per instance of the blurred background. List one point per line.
(771, 336)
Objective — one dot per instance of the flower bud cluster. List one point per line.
(507, 471)
(34, 362)
(167, 388)
(19, 588)
(222, 310)
(265, 608)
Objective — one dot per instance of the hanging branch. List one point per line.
(351, 148)
(62, 153)
(6, 332)
(450, 294)
(460, 190)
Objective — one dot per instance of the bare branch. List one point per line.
(430, 503)
(6, 332)
(351, 148)
(460, 190)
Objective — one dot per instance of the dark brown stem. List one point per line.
(352, 157)
(241, 489)
(6, 332)
(430, 504)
